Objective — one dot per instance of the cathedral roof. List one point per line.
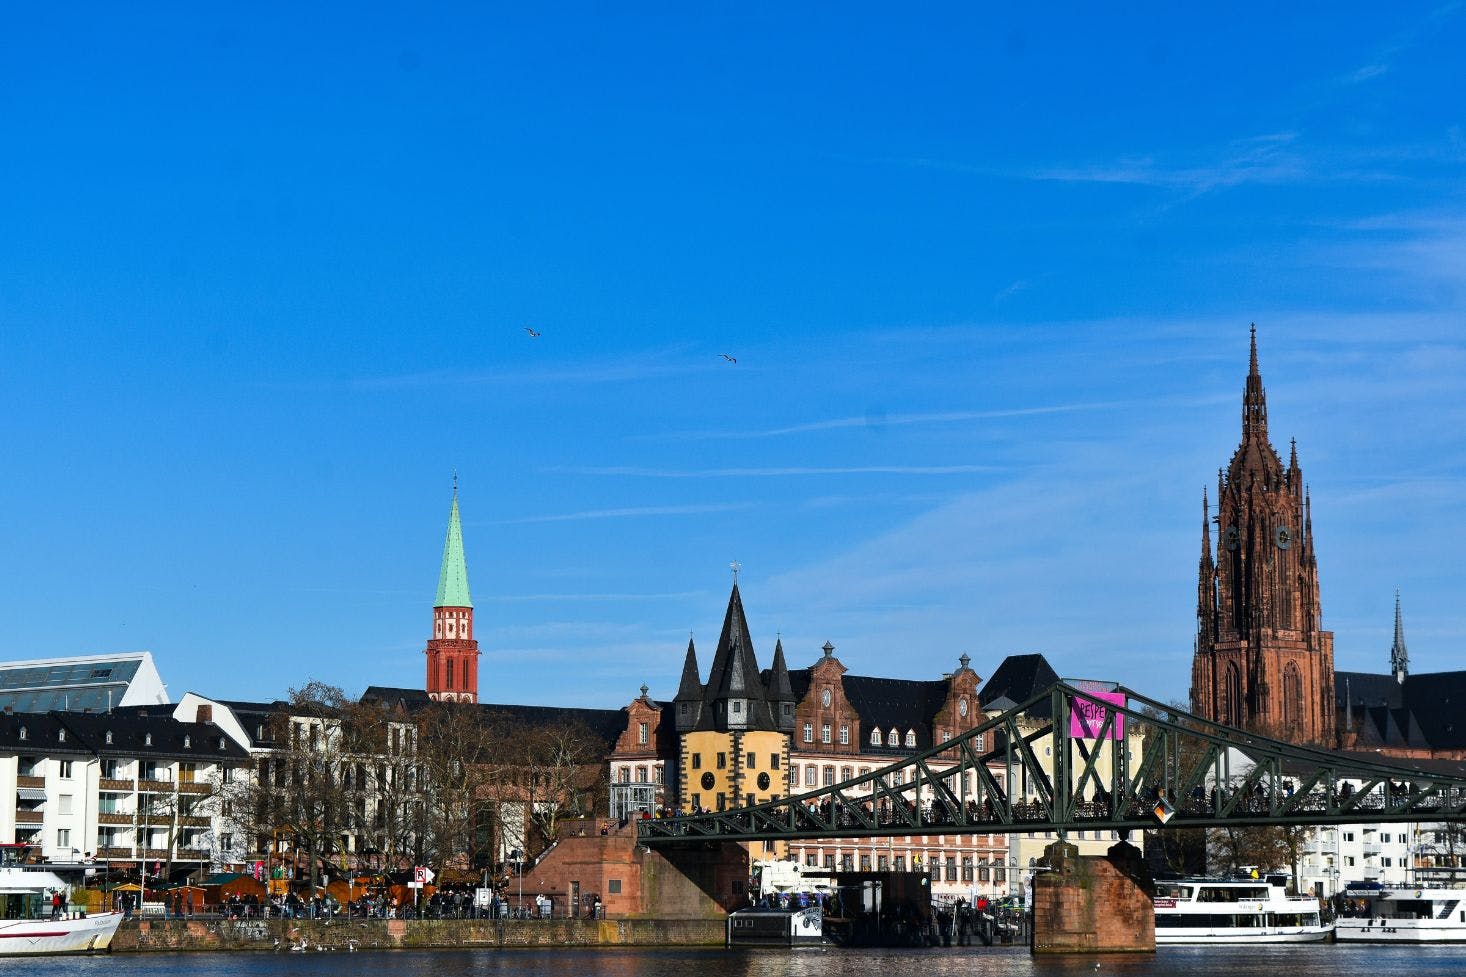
(1424, 712)
(453, 577)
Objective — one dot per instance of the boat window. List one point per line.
(1171, 890)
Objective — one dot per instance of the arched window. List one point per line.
(1292, 695)
(449, 684)
(875, 737)
(1230, 711)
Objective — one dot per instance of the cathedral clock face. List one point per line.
(1231, 536)
(1284, 537)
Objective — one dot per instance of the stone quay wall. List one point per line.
(142, 936)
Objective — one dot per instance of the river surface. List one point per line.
(1318, 960)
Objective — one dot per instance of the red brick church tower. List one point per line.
(1263, 661)
(452, 651)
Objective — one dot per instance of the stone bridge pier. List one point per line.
(1093, 904)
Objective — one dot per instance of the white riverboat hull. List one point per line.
(1182, 935)
(1399, 931)
(1423, 915)
(26, 937)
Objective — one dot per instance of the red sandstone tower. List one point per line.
(452, 651)
(1262, 660)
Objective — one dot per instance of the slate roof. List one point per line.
(606, 724)
(1426, 711)
(86, 734)
(884, 703)
(1017, 679)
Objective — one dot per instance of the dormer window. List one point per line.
(147, 739)
(108, 737)
(24, 732)
(221, 742)
(259, 732)
(875, 737)
(911, 737)
(187, 742)
(895, 737)
(61, 736)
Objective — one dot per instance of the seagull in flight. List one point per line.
(532, 333)
(730, 359)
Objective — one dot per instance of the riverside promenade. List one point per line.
(143, 936)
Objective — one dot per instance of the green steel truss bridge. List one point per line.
(1112, 761)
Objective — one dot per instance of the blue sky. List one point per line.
(987, 279)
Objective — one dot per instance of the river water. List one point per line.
(1318, 960)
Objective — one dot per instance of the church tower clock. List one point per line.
(1262, 659)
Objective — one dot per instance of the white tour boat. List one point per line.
(1403, 914)
(1235, 911)
(26, 926)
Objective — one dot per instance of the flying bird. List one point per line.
(532, 333)
(730, 359)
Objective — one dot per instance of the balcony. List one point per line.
(29, 817)
(191, 821)
(114, 783)
(113, 851)
(156, 786)
(24, 781)
(194, 788)
(1371, 850)
(192, 855)
(114, 818)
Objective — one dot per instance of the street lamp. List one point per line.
(517, 857)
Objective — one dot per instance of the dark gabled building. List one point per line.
(1401, 715)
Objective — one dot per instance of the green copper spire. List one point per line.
(453, 578)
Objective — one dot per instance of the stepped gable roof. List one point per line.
(1017, 679)
(1425, 711)
(605, 724)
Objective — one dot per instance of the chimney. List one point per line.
(206, 714)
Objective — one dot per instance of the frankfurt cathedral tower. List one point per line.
(1263, 661)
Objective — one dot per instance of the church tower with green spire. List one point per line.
(452, 651)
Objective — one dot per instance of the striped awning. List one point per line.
(30, 793)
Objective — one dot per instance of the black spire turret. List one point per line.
(1399, 657)
(689, 692)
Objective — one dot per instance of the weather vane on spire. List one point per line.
(455, 481)
(735, 566)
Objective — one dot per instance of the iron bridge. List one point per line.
(1112, 760)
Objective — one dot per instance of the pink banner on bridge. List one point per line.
(1088, 718)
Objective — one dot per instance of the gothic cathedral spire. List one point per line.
(452, 651)
(1261, 659)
